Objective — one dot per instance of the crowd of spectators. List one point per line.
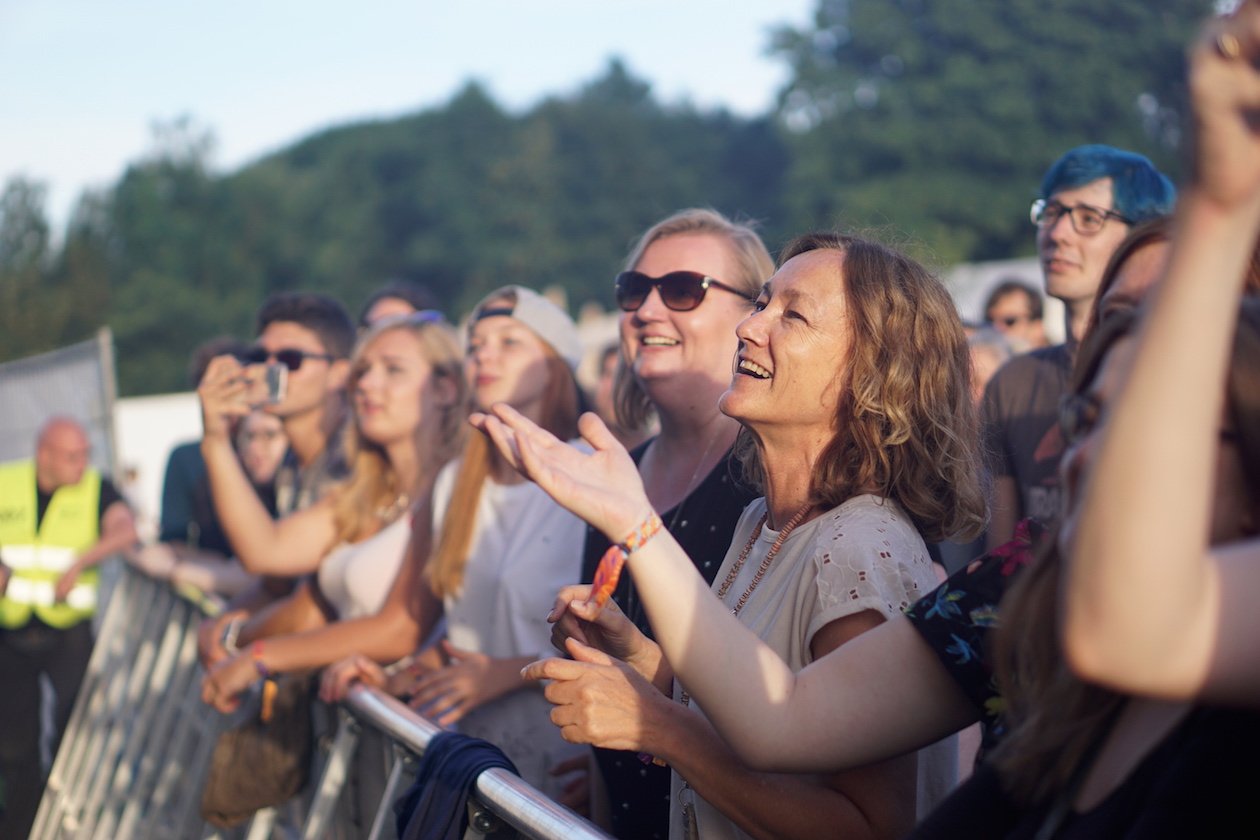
(851, 527)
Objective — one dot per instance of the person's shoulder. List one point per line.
(1014, 383)
(868, 516)
(868, 507)
(446, 475)
(1019, 367)
(185, 449)
(186, 455)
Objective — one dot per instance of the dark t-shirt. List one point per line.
(703, 524)
(1199, 781)
(1021, 427)
(188, 514)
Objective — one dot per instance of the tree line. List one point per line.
(929, 120)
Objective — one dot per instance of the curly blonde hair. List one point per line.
(905, 426)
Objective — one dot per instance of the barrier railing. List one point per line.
(135, 754)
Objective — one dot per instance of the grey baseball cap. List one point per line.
(548, 321)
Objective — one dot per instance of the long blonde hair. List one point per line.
(364, 502)
(445, 570)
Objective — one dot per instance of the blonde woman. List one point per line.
(501, 548)
(852, 384)
(688, 282)
(408, 394)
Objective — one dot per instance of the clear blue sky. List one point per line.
(85, 80)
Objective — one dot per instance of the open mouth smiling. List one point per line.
(752, 369)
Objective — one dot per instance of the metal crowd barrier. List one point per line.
(135, 754)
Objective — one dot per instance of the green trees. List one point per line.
(25, 321)
(939, 117)
(932, 118)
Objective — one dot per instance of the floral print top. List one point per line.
(956, 618)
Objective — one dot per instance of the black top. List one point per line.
(1199, 781)
(703, 523)
(109, 495)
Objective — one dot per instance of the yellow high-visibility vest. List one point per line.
(38, 557)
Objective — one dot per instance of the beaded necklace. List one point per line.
(685, 795)
(765, 563)
(738, 565)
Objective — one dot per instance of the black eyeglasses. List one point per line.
(680, 291)
(289, 357)
(1086, 219)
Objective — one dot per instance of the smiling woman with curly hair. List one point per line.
(852, 384)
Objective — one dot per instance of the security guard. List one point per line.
(58, 520)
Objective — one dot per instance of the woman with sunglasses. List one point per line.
(804, 722)
(851, 383)
(677, 338)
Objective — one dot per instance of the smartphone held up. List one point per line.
(265, 384)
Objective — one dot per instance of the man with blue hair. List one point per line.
(1090, 199)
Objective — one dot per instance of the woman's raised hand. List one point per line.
(1225, 88)
(602, 487)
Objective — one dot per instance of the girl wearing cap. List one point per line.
(501, 548)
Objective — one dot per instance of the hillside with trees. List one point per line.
(929, 120)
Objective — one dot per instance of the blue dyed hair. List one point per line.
(1139, 190)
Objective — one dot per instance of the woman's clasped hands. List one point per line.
(613, 693)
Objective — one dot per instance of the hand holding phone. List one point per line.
(265, 384)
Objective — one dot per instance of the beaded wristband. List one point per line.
(608, 572)
(255, 652)
(269, 687)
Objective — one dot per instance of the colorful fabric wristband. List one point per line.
(256, 652)
(608, 572)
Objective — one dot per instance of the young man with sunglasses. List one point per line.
(311, 336)
(1089, 200)
(1015, 310)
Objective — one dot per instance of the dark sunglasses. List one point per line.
(289, 357)
(680, 291)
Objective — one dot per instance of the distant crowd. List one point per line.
(814, 558)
